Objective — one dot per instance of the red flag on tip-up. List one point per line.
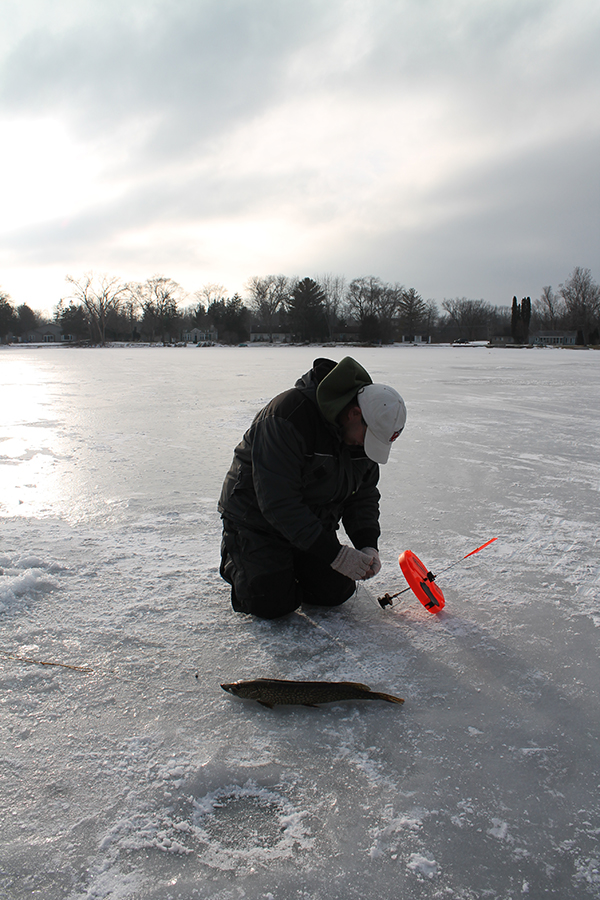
(487, 543)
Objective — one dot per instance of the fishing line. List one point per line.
(458, 561)
(332, 637)
(85, 670)
(44, 662)
(387, 598)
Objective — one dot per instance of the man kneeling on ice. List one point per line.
(308, 461)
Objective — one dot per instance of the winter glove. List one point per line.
(352, 563)
(375, 561)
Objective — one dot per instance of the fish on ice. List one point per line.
(272, 691)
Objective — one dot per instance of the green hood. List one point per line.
(341, 386)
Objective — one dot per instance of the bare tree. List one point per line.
(160, 297)
(549, 309)
(334, 290)
(211, 293)
(387, 302)
(100, 295)
(362, 297)
(500, 321)
(431, 316)
(471, 318)
(131, 310)
(361, 302)
(268, 296)
(364, 300)
(581, 295)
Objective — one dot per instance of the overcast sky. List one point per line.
(452, 146)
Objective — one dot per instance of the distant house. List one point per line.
(261, 334)
(45, 334)
(416, 339)
(554, 338)
(501, 340)
(200, 336)
(346, 334)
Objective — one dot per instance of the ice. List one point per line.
(16, 583)
(144, 779)
(421, 865)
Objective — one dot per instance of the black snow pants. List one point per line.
(270, 578)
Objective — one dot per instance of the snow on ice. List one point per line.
(143, 779)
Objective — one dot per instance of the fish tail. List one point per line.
(389, 697)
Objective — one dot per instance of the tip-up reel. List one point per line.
(421, 581)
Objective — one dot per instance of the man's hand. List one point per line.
(354, 564)
(375, 566)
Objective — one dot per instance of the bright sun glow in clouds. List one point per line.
(44, 173)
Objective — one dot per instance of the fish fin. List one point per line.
(356, 684)
(312, 705)
(389, 697)
(264, 703)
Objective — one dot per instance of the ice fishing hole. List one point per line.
(241, 820)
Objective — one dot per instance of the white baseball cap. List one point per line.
(384, 411)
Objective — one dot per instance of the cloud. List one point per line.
(450, 146)
(186, 69)
(502, 228)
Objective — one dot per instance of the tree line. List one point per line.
(101, 308)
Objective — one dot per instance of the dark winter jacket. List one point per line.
(292, 475)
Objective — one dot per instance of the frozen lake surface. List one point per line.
(143, 780)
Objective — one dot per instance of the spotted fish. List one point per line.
(272, 691)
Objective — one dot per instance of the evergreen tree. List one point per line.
(412, 312)
(27, 320)
(73, 319)
(230, 318)
(526, 317)
(8, 317)
(520, 318)
(515, 321)
(306, 309)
